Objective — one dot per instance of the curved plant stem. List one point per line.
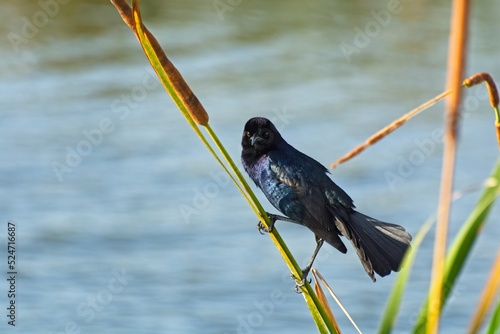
(195, 115)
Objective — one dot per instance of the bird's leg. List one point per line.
(305, 271)
(273, 218)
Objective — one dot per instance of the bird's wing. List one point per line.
(303, 187)
(317, 174)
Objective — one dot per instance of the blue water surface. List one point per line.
(126, 224)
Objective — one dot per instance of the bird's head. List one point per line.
(260, 136)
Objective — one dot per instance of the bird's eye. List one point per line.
(266, 134)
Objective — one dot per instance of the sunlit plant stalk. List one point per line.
(456, 64)
(195, 114)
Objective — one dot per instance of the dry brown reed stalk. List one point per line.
(387, 130)
(456, 64)
(469, 82)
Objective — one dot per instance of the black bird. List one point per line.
(300, 188)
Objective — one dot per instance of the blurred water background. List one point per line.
(125, 223)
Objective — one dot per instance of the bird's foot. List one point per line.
(261, 228)
(273, 218)
(300, 284)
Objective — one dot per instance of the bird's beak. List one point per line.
(255, 138)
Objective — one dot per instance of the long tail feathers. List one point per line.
(380, 246)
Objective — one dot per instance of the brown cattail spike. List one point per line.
(492, 88)
(493, 93)
(189, 100)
